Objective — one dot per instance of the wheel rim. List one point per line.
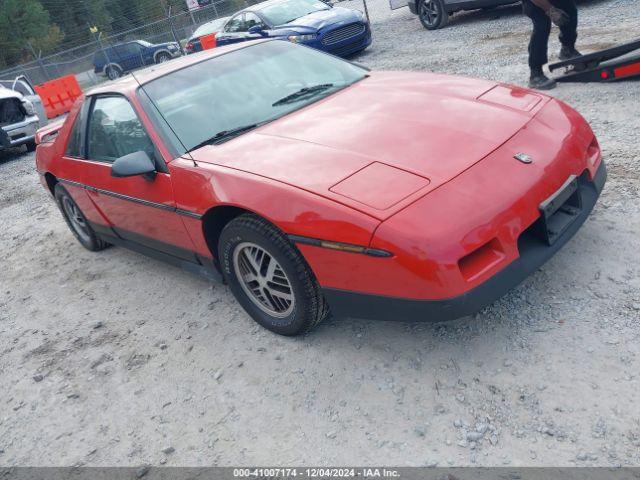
(77, 220)
(162, 58)
(113, 74)
(263, 280)
(429, 12)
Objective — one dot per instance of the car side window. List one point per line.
(133, 48)
(115, 130)
(74, 145)
(251, 20)
(236, 24)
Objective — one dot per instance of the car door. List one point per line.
(140, 209)
(127, 56)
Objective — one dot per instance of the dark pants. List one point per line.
(542, 29)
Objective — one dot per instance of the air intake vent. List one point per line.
(343, 33)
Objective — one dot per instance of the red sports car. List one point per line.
(312, 185)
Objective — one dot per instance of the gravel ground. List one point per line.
(116, 359)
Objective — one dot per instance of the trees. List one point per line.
(74, 17)
(47, 26)
(23, 22)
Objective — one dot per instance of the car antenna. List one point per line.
(155, 106)
(157, 109)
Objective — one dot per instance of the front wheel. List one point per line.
(163, 57)
(433, 14)
(77, 222)
(269, 277)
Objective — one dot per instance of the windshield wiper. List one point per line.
(225, 135)
(302, 93)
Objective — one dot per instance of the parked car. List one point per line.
(435, 14)
(23, 86)
(210, 28)
(118, 59)
(308, 184)
(337, 30)
(18, 120)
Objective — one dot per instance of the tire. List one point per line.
(113, 72)
(31, 146)
(163, 57)
(247, 242)
(433, 14)
(77, 222)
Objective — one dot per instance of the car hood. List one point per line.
(394, 135)
(7, 93)
(323, 18)
(164, 45)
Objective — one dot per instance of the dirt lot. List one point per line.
(116, 359)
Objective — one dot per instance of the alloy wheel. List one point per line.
(430, 13)
(263, 280)
(77, 220)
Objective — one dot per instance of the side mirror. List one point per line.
(136, 163)
(258, 29)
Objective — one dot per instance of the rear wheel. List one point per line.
(77, 222)
(433, 14)
(113, 72)
(269, 277)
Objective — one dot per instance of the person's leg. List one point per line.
(538, 45)
(569, 31)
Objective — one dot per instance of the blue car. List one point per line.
(115, 60)
(340, 31)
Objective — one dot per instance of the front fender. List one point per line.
(294, 211)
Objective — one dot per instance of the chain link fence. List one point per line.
(79, 60)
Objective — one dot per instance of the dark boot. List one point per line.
(567, 53)
(540, 81)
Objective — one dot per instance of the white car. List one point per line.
(18, 120)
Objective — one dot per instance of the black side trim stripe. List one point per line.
(187, 213)
(344, 247)
(127, 198)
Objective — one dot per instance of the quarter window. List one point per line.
(115, 130)
(74, 146)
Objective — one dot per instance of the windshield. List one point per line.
(246, 87)
(289, 10)
(210, 27)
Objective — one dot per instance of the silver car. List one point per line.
(18, 120)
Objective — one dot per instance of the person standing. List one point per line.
(542, 13)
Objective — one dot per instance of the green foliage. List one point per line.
(21, 22)
(52, 25)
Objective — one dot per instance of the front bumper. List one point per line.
(20, 133)
(346, 47)
(533, 254)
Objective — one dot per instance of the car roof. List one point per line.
(129, 83)
(265, 4)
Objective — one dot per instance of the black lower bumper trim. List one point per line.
(533, 253)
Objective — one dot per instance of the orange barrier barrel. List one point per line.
(59, 94)
(208, 41)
